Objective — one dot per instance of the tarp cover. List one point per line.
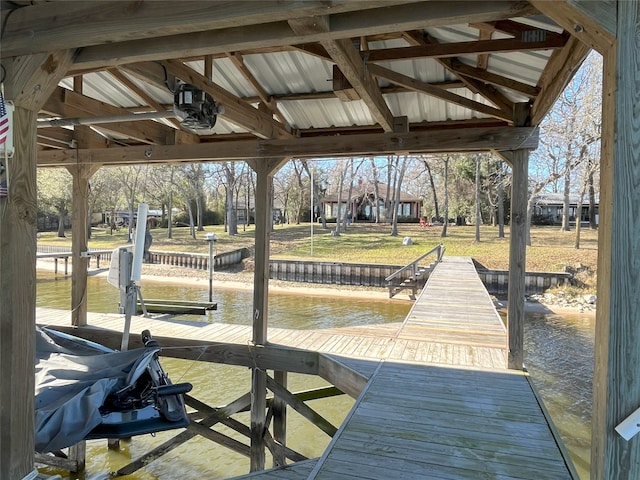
(70, 389)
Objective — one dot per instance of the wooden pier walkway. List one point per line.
(439, 403)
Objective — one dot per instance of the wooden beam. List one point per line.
(422, 87)
(258, 418)
(348, 60)
(351, 24)
(265, 97)
(495, 79)
(145, 97)
(301, 407)
(515, 29)
(346, 379)
(593, 23)
(56, 137)
(447, 50)
(29, 82)
(616, 384)
(560, 68)
(279, 408)
(41, 28)
(267, 357)
(487, 91)
(482, 61)
(430, 141)
(218, 416)
(68, 104)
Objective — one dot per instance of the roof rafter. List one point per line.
(348, 60)
(66, 103)
(556, 75)
(422, 87)
(266, 99)
(479, 74)
(144, 96)
(236, 110)
(487, 91)
(445, 50)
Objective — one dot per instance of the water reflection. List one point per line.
(559, 356)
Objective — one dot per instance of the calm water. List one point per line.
(558, 354)
(221, 384)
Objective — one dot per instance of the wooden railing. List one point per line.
(398, 280)
(64, 253)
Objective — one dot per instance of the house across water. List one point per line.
(549, 207)
(368, 201)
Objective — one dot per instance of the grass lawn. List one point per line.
(551, 250)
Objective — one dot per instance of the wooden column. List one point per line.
(17, 315)
(279, 415)
(81, 174)
(617, 345)
(518, 245)
(29, 81)
(265, 169)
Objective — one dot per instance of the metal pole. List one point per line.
(311, 172)
(211, 270)
(131, 117)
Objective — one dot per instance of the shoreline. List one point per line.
(244, 281)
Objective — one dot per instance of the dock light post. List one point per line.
(211, 238)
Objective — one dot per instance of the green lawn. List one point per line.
(551, 250)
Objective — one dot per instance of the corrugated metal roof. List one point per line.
(294, 72)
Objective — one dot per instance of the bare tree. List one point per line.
(427, 166)
(316, 192)
(569, 135)
(478, 190)
(376, 191)
(445, 160)
(399, 164)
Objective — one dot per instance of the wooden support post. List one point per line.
(78, 455)
(79, 225)
(17, 315)
(518, 246)
(616, 385)
(29, 82)
(279, 415)
(265, 169)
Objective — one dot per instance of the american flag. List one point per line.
(4, 120)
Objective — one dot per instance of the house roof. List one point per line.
(367, 188)
(294, 79)
(558, 199)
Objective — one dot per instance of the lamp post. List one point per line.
(211, 238)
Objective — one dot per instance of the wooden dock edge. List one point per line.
(566, 456)
(345, 422)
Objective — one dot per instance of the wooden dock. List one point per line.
(439, 401)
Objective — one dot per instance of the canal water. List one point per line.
(562, 378)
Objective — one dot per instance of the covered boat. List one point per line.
(85, 391)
